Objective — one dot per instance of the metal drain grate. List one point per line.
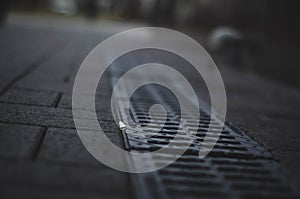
(230, 143)
(237, 167)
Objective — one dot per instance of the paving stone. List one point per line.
(50, 117)
(55, 73)
(36, 192)
(45, 177)
(66, 102)
(64, 145)
(18, 141)
(55, 112)
(30, 97)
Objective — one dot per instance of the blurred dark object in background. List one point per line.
(163, 12)
(268, 29)
(91, 9)
(4, 8)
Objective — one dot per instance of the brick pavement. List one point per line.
(41, 155)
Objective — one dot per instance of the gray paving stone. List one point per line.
(18, 141)
(64, 145)
(55, 73)
(29, 97)
(58, 179)
(55, 112)
(36, 192)
(49, 117)
(66, 102)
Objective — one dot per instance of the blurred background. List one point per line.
(257, 35)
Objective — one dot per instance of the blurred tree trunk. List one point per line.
(163, 12)
(4, 8)
(131, 9)
(125, 8)
(91, 8)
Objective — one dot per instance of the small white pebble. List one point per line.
(122, 126)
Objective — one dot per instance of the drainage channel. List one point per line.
(237, 166)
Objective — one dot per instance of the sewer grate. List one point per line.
(237, 167)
